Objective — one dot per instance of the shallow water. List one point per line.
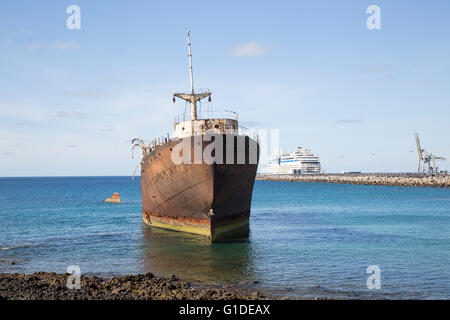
(306, 239)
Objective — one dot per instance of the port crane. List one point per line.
(427, 161)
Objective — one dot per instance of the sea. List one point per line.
(307, 240)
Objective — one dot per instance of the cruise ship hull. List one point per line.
(213, 200)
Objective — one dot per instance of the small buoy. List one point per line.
(114, 199)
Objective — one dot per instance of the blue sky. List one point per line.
(70, 100)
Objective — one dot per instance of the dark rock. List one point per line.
(51, 286)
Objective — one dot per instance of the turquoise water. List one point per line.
(306, 239)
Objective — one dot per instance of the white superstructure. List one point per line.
(301, 161)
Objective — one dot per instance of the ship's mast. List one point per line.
(192, 97)
(193, 102)
(190, 61)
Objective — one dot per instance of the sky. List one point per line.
(72, 99)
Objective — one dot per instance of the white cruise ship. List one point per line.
(301, 161)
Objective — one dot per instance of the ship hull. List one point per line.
(212, 200)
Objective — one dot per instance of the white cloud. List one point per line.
(37, 45)
(88, 93)
(384, 70)
(16, 32)
(249, 49)
(108, 130)
(376, 69)
(71, 115)
(11, 35)
(356, 120)
(29, 124)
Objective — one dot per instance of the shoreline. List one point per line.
(380, 179)
(53, 286)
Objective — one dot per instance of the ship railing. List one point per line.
(158, 141)
(208, 114)
(217, 114)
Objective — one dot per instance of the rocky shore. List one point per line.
(53, 286)
(410, 180)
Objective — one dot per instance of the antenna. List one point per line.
(192, 97)
(190, 61)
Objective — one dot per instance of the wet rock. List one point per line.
(50, 286)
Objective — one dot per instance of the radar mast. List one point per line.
(192, 97)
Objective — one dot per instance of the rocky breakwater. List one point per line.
(411, 180)
(52, 286)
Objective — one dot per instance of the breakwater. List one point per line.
(385, 179)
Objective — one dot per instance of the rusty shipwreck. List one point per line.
(200, 180)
